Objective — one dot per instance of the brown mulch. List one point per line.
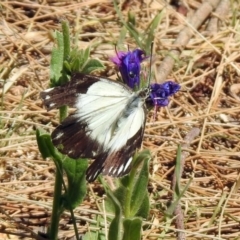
(196, 44)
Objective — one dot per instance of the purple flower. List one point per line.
(129, 66)
(160, 92)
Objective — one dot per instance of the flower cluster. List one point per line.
(161, 92)
(129, 65)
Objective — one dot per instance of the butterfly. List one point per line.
(107, 126)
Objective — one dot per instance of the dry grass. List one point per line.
(208, 70)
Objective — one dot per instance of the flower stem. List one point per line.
(56, 209)
(57, 204)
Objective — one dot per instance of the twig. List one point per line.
(221, 12)
(178, 211)
(187, 141)
(183, 38)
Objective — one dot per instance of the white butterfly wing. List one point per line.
(108, 123)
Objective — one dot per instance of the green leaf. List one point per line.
(121, 201)
(132, 190)
(139, 190)
(66, 51)
(44, 143)
(143, 210)
(132, 229)
(63, 112)
(122, 36)
(149, 36)
(94, 236)
(58, 72)
(125, 181)
(67, 66)
(128, 25)
(66, 40)
(79, 62)
(76, 60)
(143, 39)
(119, 193)
(86, 54)
(116, 224)
(177, 193)
(56, 63)
(178, 173)
(65, 61)
(92, 65)
(76, 64)
(76, 175)
(75, 170)
(46, 146)
(96, 230)
(131, 19)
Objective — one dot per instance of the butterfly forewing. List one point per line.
(108, 124)
(67, 93)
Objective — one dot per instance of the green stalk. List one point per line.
(63, 111)
(57, 208)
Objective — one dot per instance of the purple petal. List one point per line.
(129, 64)
(117, 59)
(161, 92)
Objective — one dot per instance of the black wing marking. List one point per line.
(71, 138)
(67, 93)
(116, 164)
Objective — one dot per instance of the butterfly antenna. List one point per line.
(115, 46)
(150, 68)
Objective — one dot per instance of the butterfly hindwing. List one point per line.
(114, 166)
(122, 146)
(71, 138)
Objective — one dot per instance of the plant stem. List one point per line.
(56, 209)
(57, 205)
(63, 113)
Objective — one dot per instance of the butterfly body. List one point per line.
(108, 123)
